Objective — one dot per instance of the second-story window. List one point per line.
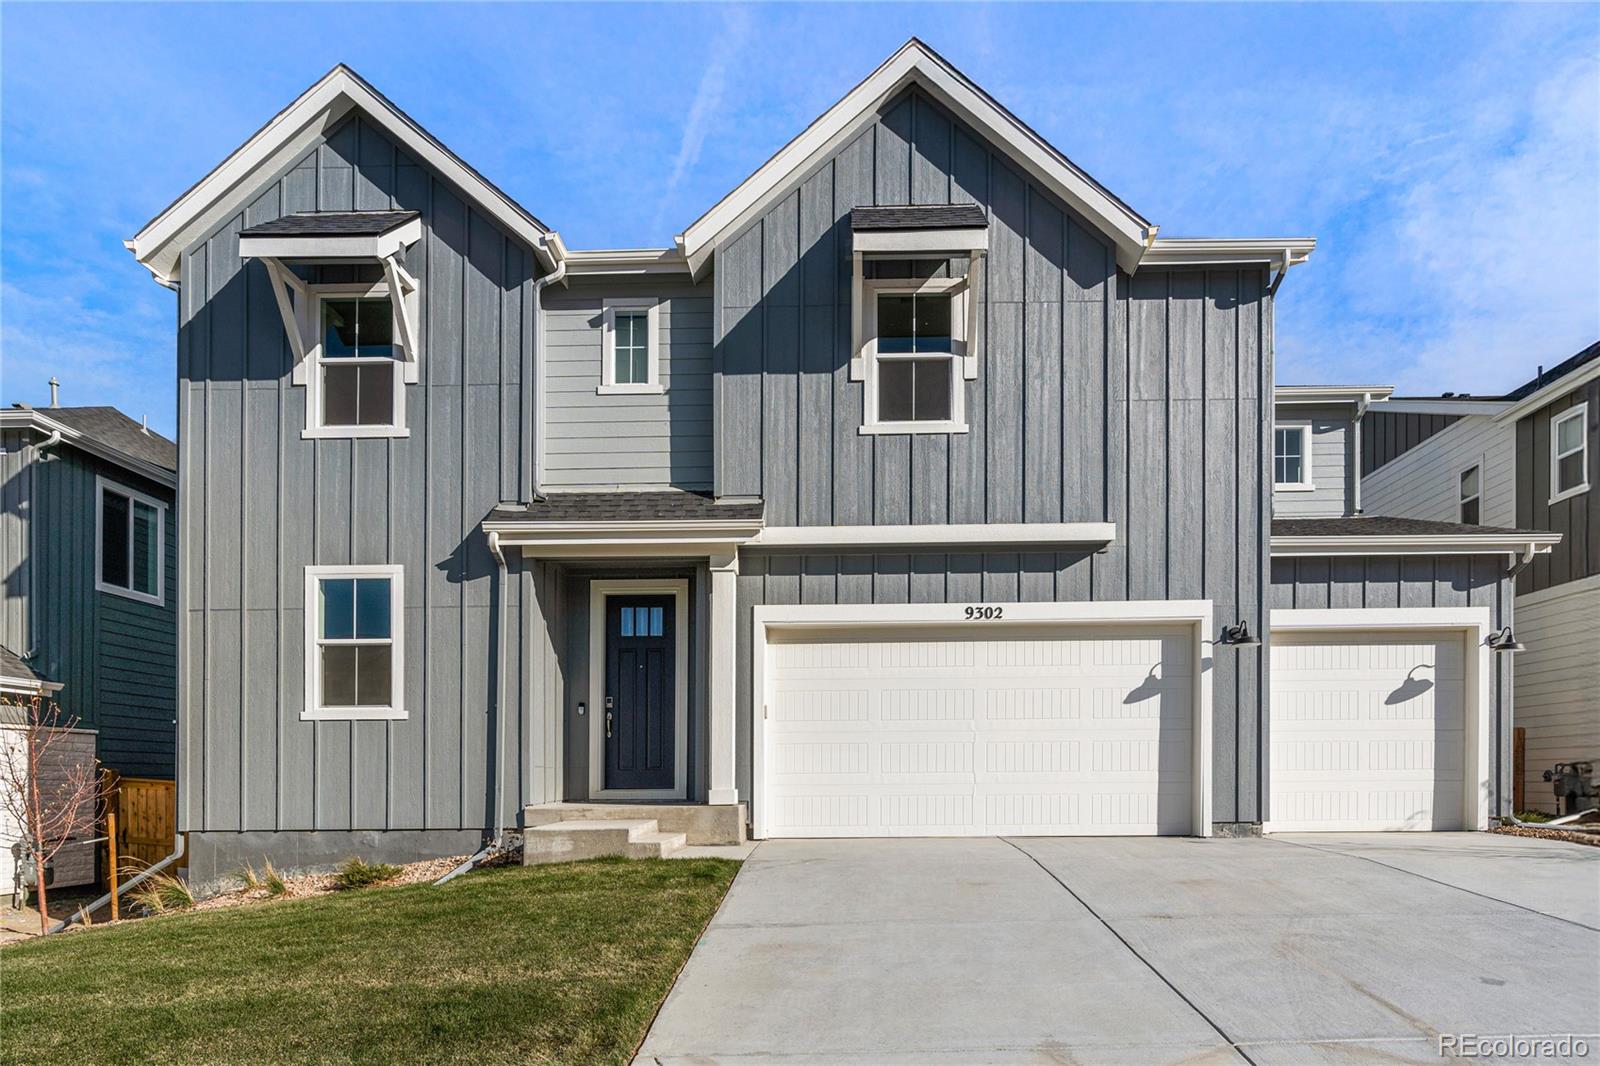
(1469, 495)
(631, 353)
(356, 374)
(914, 379)
(1569, 453)
(1291, 454)
(131, 535)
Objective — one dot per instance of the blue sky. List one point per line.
(1446, 157)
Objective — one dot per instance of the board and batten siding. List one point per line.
(1557, 679)
(1331, 462)
(595, 442)
(1081, 368)
(115, 657)
(1425, 481)
(260, 503)
(1576, 518)
(1389, 581)
(1387, 435)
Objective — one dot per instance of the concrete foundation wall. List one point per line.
(214, 857)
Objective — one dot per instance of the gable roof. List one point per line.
(914, 63)
(312, 115)
(105, 432)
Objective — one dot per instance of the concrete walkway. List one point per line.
(1304, 949)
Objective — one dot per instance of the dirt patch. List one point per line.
(1555, 833)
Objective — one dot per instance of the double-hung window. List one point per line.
(1469, 493)
(914, 373)
(631, 355)
(357, 383)
(354, 642)
(1291, 457)
(130, 534)
(1569, 453)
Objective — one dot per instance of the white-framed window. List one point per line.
(130, 541)
(356, 373)
(1291, 458)
(1469, 494)
(631, 359)
(1569, 453)
(915, 380)
(355, 642)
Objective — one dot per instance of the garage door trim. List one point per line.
(1474, 624)
(1197, 613)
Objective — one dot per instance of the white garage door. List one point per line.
(1030, 732)
(1368, 731)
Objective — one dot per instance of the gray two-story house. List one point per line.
(919, 488)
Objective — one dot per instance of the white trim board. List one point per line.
(678, 589)
(951, 537)
(1432, 544)
(609, 385)
(311, 710)
(102, 484)
(1476, 626)
(922, 615)
(1578, 412)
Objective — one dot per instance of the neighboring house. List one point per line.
(920, 488)
(88, 556)
(1523, 459)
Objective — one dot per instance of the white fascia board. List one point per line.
(951, 241)
(376, 247)
(1447, 544)
(41, 422)
(1557, 388)
(627, 261)
(1331, 394)
(30, 686)
(1278, 253)
(296, 128)
(915, 63)
(1464, 408)
(954, 537)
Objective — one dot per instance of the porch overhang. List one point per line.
(583, 540)
(1380, 535)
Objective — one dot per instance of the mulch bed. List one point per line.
(1569, 835)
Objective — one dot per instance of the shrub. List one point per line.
(161, 894)
(356, 873)
(1533, 816)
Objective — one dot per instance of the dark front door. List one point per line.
(639, 705)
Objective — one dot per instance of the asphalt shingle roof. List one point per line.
(933, 216)
(114, 429)
(1382, 526)
(332, 224)
(631, 507)
(12, 665)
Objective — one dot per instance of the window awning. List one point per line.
(332, 235)
(954, 229)
(380, 236)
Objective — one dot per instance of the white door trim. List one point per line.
(1198, 613)
(678, 588)
(1475, 624)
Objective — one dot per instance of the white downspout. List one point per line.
(1361, 412)
(535, 489)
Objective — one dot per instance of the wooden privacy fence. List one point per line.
(147, 820)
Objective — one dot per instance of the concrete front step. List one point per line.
(569, 841)
(700, 823)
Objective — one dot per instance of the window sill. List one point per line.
(352, 432)
(1576, 490)
(353, 714)
(881, 428)
(630, 390)
(155, 600)
(1302, 487)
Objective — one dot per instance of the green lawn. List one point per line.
(561, 963)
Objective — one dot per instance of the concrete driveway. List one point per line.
(1302, 949)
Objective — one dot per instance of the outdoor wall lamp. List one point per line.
(1504, 641)
(1239, 636)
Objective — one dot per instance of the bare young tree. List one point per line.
(47, 790)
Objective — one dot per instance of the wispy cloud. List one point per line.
(708, 99)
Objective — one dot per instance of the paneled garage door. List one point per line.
(1368, 731)
(1030, 732)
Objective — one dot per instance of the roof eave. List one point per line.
(31, 418)
(1429, 544)
(1557, 388)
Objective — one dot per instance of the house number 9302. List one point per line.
(985, 614)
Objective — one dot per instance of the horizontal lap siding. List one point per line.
(1425, 482)
(1386, 435)
(1081, 367)
(1414, 581)
(1331, 460)
(1557, 679)
(595, 442)
(261, 503)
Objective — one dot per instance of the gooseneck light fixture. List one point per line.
(1505, 641)
(1239, 636)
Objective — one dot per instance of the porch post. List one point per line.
(723, 704)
